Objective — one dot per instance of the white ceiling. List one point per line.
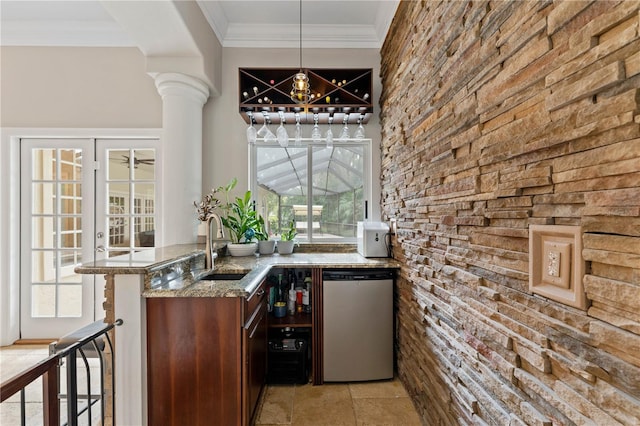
(237, 23)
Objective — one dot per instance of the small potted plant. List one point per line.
(242, 222)
(265, 244)
(287, 239)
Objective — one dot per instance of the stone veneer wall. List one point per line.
(497, 115)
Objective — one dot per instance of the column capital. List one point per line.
(183, 85)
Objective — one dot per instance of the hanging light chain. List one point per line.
(301, 89)
(300, 35)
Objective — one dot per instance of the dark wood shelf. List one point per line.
(266, 92)
(297, 320)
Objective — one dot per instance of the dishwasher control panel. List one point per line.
(357, 274)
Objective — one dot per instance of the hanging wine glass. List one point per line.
(298, 131)
(316, 135)
(329, 135)
(263, 130)
(359, 134)
(344, 135)
(281, 132)
(252, 133)
(269, 137)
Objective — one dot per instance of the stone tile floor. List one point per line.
(366, 403)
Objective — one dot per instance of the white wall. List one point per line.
(108, 88)
(225, 151)
(53, 92)
(77, 87)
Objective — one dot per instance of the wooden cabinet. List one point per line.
(335, 92)
(255, 357)
(206, 359)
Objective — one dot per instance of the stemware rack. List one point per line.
(265, 92)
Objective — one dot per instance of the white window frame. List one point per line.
(367, 177)
(10, 213)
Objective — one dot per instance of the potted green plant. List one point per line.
(265, 244)
(242, 222)
(287, 239)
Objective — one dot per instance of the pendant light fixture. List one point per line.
(301, 88)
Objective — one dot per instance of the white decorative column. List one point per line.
(183, 97)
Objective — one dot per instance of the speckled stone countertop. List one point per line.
(144, 261)
(176, 271)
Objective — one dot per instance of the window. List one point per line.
(132, 191)
(323, 191)
(117, 230)
(55, 208)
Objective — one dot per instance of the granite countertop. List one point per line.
(176, 271)
(143, 261)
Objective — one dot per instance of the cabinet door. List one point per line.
(194, 361)
(255, 356)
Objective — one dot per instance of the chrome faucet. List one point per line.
(211, 248)
(219, 227)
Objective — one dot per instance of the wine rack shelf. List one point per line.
(335, 93)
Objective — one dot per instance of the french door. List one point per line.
(81, 200)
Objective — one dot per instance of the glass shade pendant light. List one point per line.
(301, 89)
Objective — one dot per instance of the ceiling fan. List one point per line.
(138, 161)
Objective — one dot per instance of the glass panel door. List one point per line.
(128, 196)
(81, 200)
(57, 205)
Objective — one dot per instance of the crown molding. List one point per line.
(313, 36)
(278, 35)
(64, 33)
(214, 14)
(386, 12)
(102, 33)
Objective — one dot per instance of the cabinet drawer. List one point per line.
(254, 320)
(253, 301)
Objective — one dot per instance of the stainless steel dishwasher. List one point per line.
(357, 324)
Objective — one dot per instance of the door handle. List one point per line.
(100, 249)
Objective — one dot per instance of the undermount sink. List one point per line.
(223, 276)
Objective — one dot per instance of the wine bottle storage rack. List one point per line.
(336, 92)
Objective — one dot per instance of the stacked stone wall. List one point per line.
(497, 115)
